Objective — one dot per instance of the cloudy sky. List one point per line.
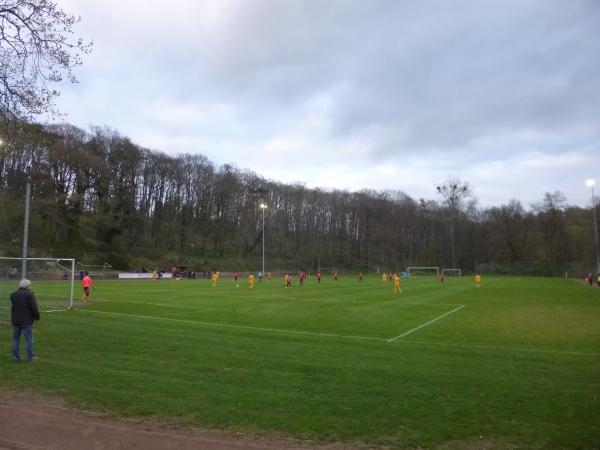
(354, 94)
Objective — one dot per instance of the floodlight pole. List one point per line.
(591, 183)
(263, 207)
(72, 282)
(26, 228)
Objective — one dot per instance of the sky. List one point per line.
(354, 94)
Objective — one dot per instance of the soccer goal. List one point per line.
(423, 271)
(452, 272)
(53, 281)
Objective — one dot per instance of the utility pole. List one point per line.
(591, 183)
(263, 207)
(26, 228)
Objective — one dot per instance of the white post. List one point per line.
(72, 282)
(25, 229)
(591, 183)
(262, 207)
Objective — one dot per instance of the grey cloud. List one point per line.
(484, 78)
(419, 76)
(450, 88)
(442, 72)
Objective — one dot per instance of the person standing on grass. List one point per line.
(24, 311)
(360, 277)
(478, 280)
(86, 284)
(318, 277)
(442, 277)
(384, 279)
(397, 283)
(251, 280)
(589, 278)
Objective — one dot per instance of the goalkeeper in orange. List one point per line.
(397, 283)
(87, 284)
(251, 280)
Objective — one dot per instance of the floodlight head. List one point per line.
(590, 182)
(263, 206)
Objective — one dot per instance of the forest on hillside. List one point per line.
(99, 197)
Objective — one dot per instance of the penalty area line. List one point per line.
(499, 347)
(240, 327)
(41, 310)
(426, 324)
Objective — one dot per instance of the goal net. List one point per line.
(423, 271)
(52, 281)
(452, 272)
(328, 270)
(95, 270)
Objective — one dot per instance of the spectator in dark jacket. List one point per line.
(24, 312)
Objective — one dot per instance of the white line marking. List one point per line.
(243, 327)
(168, 305)
(499, 347)
(281, 296)
(425, 324)
(288, 297)
(420, 304)
(404, 341)
(43, 310)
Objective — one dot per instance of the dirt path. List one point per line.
(28, 422)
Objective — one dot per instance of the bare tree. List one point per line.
(512, 230)
(35, 52)
(453, 192)
(553, 225)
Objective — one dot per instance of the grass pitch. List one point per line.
(515, 363)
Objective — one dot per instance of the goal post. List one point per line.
(53, 279)
(328, 270)
(452, 272)
(423, 271)
(98, 270)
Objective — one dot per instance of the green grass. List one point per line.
(518, 365)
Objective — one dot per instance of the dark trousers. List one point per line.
(27, 331)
